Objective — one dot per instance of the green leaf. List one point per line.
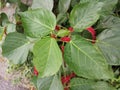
(62, 33)
(108, 6)
(16, 47)
(63, 5)
(85, 15)
(38, 22)
(46, 4)
(86, 60)
(11, 28)
(49, 83)
(83, 84)
(47, 57)
(109, 22)
(1, 32)
(108, 43)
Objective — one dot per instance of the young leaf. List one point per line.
(108, 43)
(11, 28)
(47, 4)
(85, 59)
(62, 33)
(83, 84)
(16, 48)
(49, 83)
(47, 57)
(38, 22)
(85, 15)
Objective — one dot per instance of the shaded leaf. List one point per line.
(1, 32)
(83, 84)
(49, 83)
(63, 5)
(16, 47)
(108, 43)
(46, 4)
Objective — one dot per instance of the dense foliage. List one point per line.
(73, 44)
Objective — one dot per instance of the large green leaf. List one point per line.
(47, 4)
(49, 83)
(108, 43)
(85, 15)
(63, 5)
(38, 22)
(47, 57)
(83, 84)
(16, 47)
(86, 60)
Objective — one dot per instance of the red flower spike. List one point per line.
(66, 88)
(72, 75)
(71, 29)
(65, 39)
(93, 33)
(35, 71)
(62, 49)
(57, 27)
(65, 79)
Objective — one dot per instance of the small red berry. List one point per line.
(65, 39)
(57, 27)
(35, 71)
(71, 29)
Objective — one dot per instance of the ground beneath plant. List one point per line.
(6, 85)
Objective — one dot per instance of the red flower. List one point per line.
(71, 29)
(93, 33)
(66, 88)
(72, 75)
(35, 71)
(57, 27)
(65, 79)
(65, 39)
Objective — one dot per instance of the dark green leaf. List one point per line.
(49, 83)
(85, 15)
(38, 23)
(83, 84)
(16, 47)
(47, 57)
(47, 4)
(86, 60)
(108, 43)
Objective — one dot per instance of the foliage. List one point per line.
(75, 43)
